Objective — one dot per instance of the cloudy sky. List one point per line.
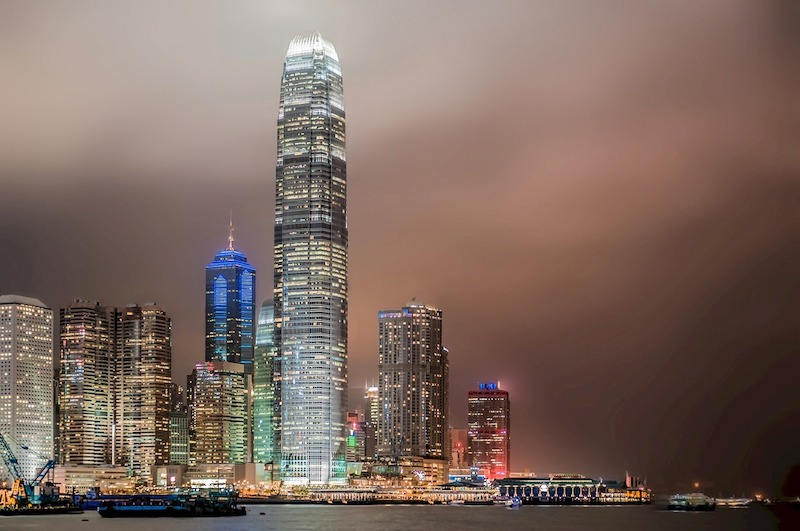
(601, 197)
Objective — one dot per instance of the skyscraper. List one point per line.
(87, 383)
(266, 410)
(230, 307)
(220, 413)
(26, 381)
(310, 282)
(488, 432)
(143, 403)
(413, 383)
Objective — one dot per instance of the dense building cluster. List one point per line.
(271, 391)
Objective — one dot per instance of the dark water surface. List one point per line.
(388, 518)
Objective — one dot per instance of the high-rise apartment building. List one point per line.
(220, 412)
(266, 409)
(230, 307)
(178, 427)
(26, 381)
(488, 432)
(143, 402)
(88, 383)
(310, 270)
(413, 383)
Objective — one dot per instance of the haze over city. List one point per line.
(602, 199)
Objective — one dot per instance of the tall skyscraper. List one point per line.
(26, 381)
(266, 410)
(488, 432)
(413, 383)
(88, 383)
(143, 402)
(230, 307)
(310, 283)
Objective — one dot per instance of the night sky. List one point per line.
(603, 199)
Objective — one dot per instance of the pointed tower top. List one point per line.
(230, 233)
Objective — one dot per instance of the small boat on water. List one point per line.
(696, 501)
(455, 502)
(513, 503)
(733, 502)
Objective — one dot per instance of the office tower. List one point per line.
(26, 381)
(413, 383)
(220, 412)
(458, 448)
(230, 300)
(266, 410)
(310, 282)
(143, 403)
(87, 383)
(371, 415)
(178, 427)
(488, 434)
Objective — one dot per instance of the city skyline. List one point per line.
(638, 222)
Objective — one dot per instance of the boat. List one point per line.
(733, 502)
(513, 503)
(455, 502)
(696, 501)
(173, 505)
(41, 510)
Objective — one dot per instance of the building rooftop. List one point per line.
(19, 299)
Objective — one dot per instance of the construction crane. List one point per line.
(23, 493)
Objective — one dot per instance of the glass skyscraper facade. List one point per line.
(413, 383)
(266, 410)
(489, 431)
(310, 269)
(230, 308)
(87, 383)
(26, 381)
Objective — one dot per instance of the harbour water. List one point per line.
(433, 518)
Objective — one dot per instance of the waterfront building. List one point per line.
(219, 412)
(413, 383)
(266, 406)
(489, 430)
(26, 381)
(88, 384)
(310, 265)
(109, 479)
(143, 402)
(230, 300)
(572, 489)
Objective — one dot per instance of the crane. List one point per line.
(23, 493)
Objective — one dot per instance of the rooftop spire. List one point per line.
(230, 233)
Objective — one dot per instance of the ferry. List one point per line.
(173, 505)
(733, 502)
(695, 501)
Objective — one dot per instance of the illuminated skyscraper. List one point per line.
(143, 402)
(488, 434)
(266, 410)
(26, 381)
(230, 306)
(220, 412)
(88, 383)
(413, 383)
(310, 271)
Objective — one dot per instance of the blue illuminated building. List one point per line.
(230, 296)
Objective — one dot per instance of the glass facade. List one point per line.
(144, 399)
(87, 383)
(26, 381)
(413, 383)
(310, 269)
(230, 308)
(220, 412)
(265, 415)
(489, 430)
